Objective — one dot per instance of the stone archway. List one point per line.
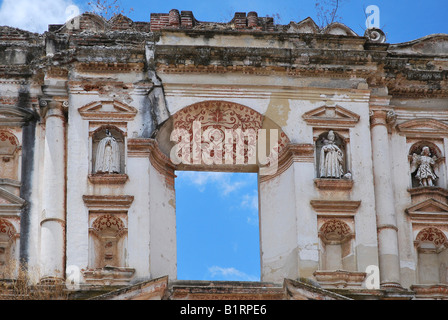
(277, 195)
(217, 122)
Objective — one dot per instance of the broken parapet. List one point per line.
(173, 20)
(185, 20)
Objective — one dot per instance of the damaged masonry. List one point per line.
(87, 188)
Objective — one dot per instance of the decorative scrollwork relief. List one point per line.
(431, 234)
(335, 231)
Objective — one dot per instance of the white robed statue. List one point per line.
(107, 155)
(331, 158)
(424, 163)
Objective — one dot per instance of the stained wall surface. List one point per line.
(123, 88)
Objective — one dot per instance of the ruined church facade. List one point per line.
(355, 204)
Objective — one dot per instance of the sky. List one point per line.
(401, 20)
(217, 226)
(217, 213)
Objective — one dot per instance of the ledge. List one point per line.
(336, 207)
(430, 291)
(340, 279)
(109, 275)
(420, 194)
(103, 203)
(108, 178)
(334, 184)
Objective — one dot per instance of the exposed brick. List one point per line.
(252, 19)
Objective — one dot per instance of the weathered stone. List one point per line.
(64, 91)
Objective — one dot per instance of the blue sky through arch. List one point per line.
(217, 226)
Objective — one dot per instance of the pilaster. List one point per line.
(52, 220)
(380, 117)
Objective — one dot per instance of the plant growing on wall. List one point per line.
(327, 12)
(107, 8)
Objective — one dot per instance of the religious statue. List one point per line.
(423, 164)
(331, 158)
(107, 155)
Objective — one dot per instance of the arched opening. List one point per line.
(432, 256)
(227, 141)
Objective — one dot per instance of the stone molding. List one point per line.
(336, 207)
(292, 152)
(333, 116)
(428, 128)
(108, 275)
(148, 290)
(430, 291)
(12, 116)
(420, 194)
(94, 111)
(13, 205)
(112, 67)
(381, 117)
(429, 209)
(108, 178)
(142, 147)
(108, 203)
(334, 184)
(340, 279)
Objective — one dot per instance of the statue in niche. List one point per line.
(107, 155)
(331, 158)
(423, 164)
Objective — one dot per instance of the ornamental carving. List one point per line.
(218, 114)
(433, 235)
(7, 228)
(215, 118)
(108, 222)
(335, 230)
(8, 136)
(331, 158)
(424, 157)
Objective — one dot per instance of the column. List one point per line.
(307, 233)
(389, 261)
(53, 194)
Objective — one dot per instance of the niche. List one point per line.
(431, 244)
(108, 151)
(8, 235)
(9, 155)
(425, 158)
(108, 236)
(336, 246)
(331, 156)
